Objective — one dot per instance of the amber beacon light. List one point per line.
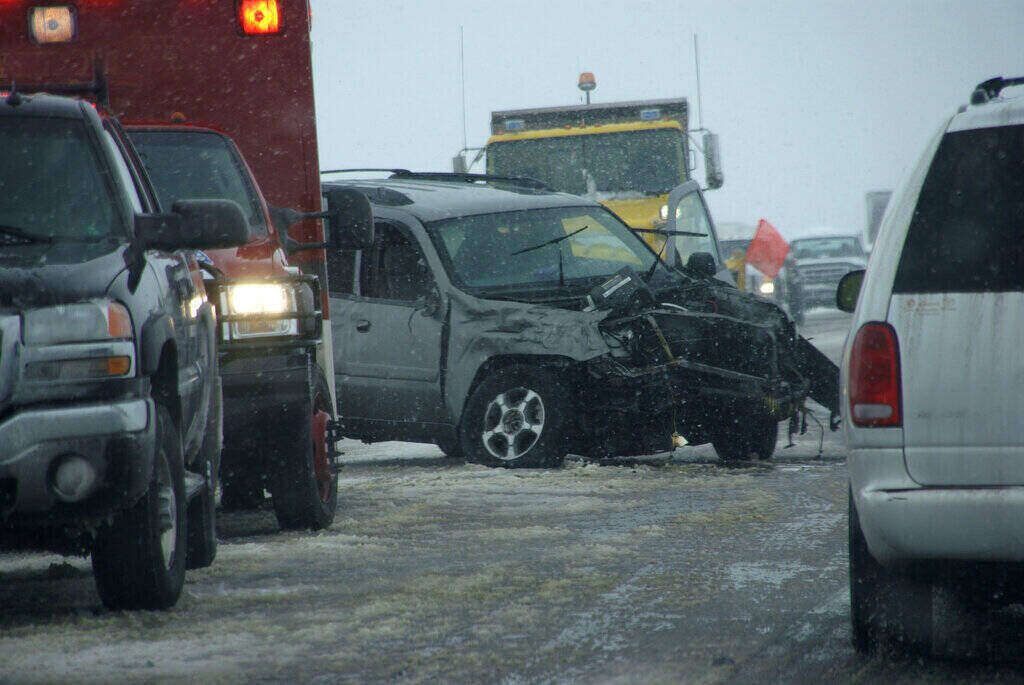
(54, 24)
(259, 17)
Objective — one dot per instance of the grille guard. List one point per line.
(309, 315)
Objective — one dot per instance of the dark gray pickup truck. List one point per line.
(110, 414)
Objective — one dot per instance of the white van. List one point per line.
(933, 382)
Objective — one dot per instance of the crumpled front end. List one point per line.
(691, 369)
(644, 375)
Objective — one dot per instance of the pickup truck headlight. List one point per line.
(83, 341)
(263, 302)
(767, 288)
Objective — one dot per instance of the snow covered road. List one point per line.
(680, 569)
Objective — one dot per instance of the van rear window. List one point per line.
(967, 232)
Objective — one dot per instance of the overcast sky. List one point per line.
(815, 102)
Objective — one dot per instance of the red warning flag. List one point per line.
(768, 249)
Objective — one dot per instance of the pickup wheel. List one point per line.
(516, 417)
(885, 607)
(746, 437)
(202, 510)
(241, 494)
(304, 482)
(139, 559)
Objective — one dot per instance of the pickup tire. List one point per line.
(303, 481)
(138, 559)
(517, 417)
(746, 437)
(241, 494)
(202, 510)
(885, 608)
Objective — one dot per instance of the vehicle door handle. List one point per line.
(362, 325)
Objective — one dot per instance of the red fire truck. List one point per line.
(202, 73)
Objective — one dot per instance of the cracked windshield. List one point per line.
(564, 342)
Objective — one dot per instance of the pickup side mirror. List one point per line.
(714, 176)
(349, 224)
(702, 265)
(849, 290)
(194, 225)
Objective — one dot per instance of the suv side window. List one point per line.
(395, 268)
(965, 235)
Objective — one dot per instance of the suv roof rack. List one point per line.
(465, 177)
(521, 181)
(990, 89)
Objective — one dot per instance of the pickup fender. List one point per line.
(156, 332)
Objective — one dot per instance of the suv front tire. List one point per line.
(517, 417)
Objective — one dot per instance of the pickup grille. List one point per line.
(825, 273)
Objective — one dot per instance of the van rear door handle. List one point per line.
(362, 325)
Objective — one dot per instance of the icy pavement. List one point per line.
(678, 569)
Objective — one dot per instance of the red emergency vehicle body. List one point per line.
(238, 67)
(190, 62)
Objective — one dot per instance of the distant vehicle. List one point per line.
(139, 59)
(626, 155)
(814, 266)
(109, 393)
(933, 376)
(875, 202)
(512, 325)
(733, 248)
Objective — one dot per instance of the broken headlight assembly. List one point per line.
(78, 342)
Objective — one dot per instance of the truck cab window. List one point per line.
(395, 268)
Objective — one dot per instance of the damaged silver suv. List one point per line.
(512, 325)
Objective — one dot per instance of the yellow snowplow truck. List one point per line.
(626, 155)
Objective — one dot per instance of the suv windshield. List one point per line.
(197, 165)
(827, 248)
(479, 250)
(966, 232)
(639, 163)
(51, 184)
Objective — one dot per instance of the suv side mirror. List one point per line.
(349, 222)
(848, 290)
(702, 264)
(194, 225)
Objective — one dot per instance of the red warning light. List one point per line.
(259, 17)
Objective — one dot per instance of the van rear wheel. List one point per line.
(886, 608)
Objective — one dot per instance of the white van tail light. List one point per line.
(875, 377)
